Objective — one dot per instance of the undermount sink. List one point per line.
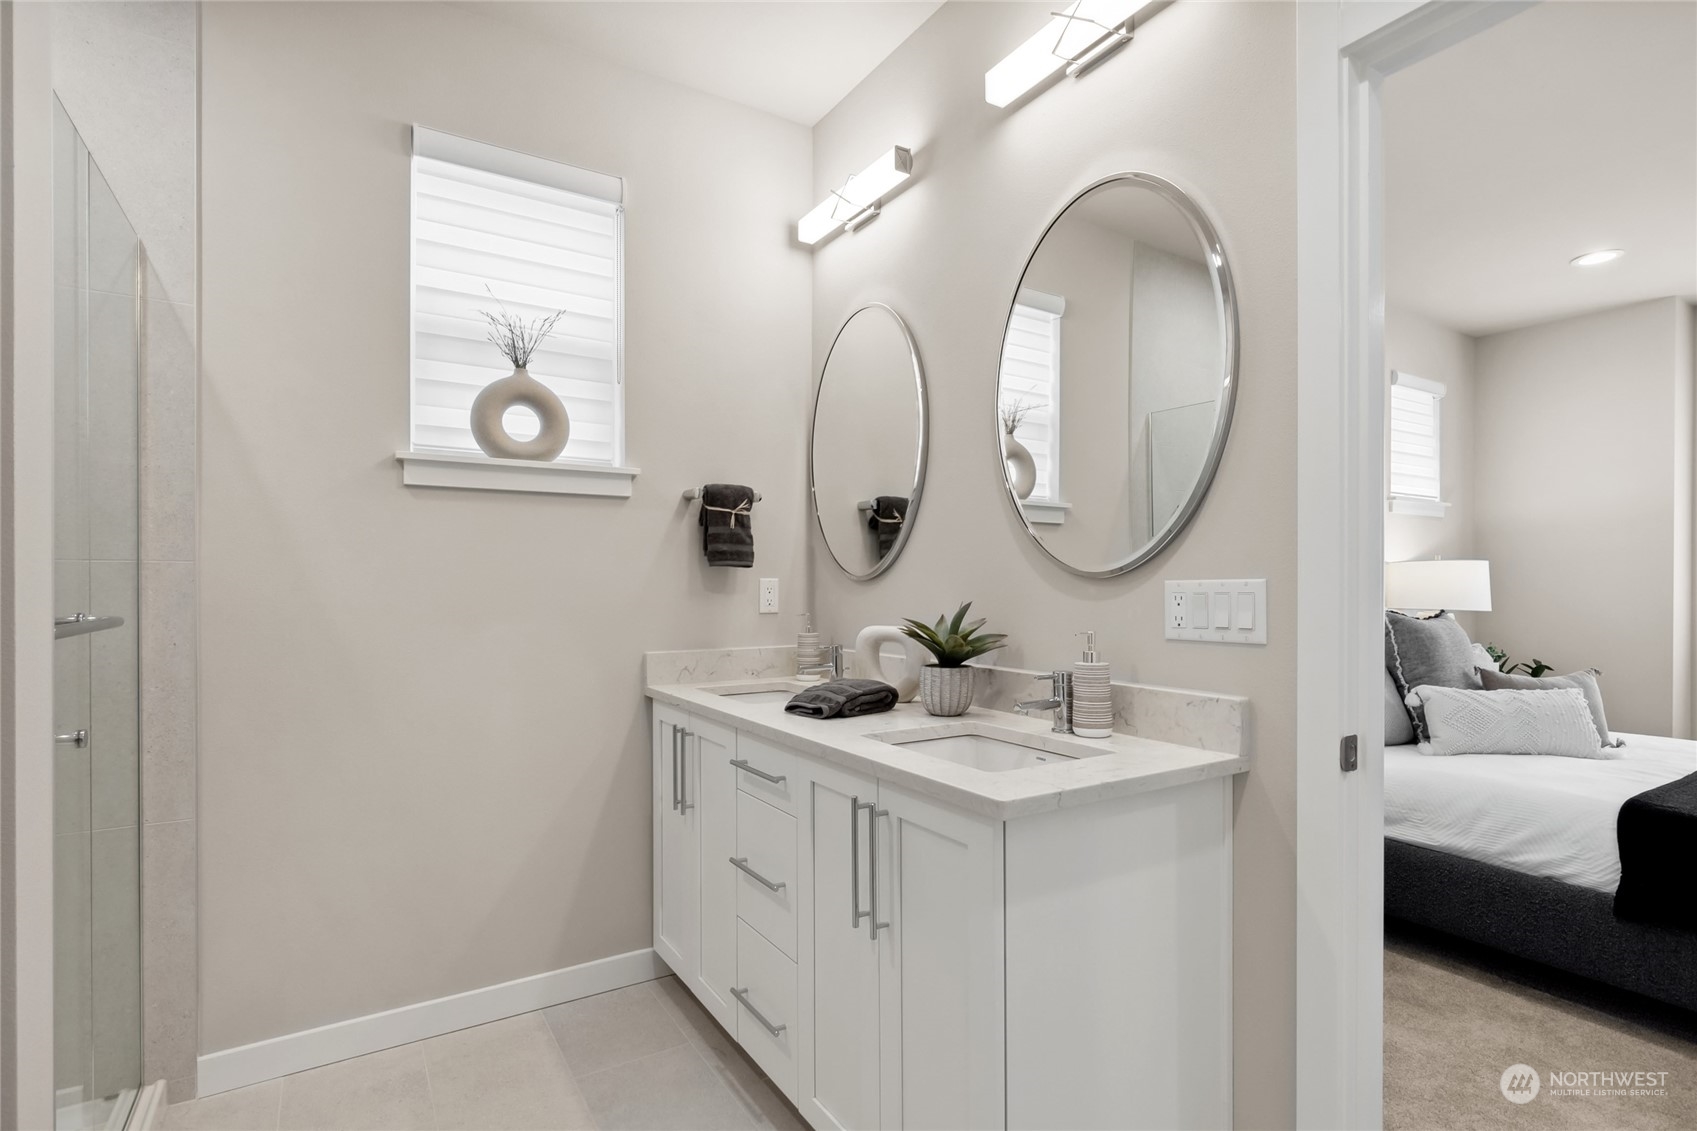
(979, 751)
(760, 696)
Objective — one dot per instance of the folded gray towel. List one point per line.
(727, 525)
(843, 698)
(889, 514)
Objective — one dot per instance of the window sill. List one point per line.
(482, 473)
(1421, 508)
(1049, 512)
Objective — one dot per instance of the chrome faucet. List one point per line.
(1060, 702)
(832, 668)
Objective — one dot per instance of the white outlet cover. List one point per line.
(768, 595)
(1191, 611)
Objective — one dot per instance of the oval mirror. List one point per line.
(867, 454)
(1118, 373)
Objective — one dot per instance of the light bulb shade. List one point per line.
(1073, 34)
(1459, 585)
(863, 191)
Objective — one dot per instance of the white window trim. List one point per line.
(1419, 505)
(436, 467)
(1050, 509)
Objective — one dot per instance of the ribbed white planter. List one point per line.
(945, 691)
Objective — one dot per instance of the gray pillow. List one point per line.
(1429, 651)
(1585, 681)
(1398, 730)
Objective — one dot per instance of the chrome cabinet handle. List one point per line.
(742, 996)
(872, 862)
(855, 806)
(77, 738)
(741, 863)
(684, 804)
(81, 624)
(742, 764)
(674, 727)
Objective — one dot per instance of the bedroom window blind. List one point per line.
(493, 227)
(1416, 444)
(1031, 379)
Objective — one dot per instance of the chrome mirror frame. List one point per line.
(1221, 271)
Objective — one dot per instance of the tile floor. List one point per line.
(643, 1058)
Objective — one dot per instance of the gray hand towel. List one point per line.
(727, 530)
(844, 698)
(889, 515)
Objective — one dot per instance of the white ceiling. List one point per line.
(795, 59)
(1567, 128)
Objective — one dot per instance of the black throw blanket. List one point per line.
(727, 525)
(889, 513)
(1657, 832)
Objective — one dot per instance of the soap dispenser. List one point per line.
(809, 648)
(1092, 693)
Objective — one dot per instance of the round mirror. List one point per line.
(869, 438)
(1118, 372)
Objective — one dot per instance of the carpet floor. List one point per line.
(1456, 1017)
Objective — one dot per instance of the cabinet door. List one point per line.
(677, 849)
(712, 780)
(838, 986)
(941, 1018)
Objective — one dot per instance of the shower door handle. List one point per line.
(81, 624)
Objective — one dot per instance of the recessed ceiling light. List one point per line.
(1593, 258)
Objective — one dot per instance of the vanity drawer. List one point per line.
(766, 1001)
(757, 763)
(766, 878)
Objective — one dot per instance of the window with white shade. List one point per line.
(1031, 384)
(1416, 446)
(495, 228)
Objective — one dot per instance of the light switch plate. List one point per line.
(1222, 612)
(768, 594)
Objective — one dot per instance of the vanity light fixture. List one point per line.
(1597, 258)
(856, 203)
(1079, 36)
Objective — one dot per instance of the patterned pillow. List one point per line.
(1508, 722)
(1585, 681)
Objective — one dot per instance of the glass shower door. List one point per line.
(96, 819)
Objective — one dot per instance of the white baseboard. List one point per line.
(296, 1052)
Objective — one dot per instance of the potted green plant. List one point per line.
(945, 687)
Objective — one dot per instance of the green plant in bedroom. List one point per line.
(1534, 669)
(945, 687)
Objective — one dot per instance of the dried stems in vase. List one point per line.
(516, 338)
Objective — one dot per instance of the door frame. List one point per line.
(1345, 50)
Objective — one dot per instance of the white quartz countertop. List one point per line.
(1125, 764)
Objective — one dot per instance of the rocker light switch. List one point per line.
(1220, 612)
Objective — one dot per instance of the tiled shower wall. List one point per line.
(127, 73)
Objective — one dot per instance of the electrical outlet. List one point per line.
(1175, 608)
(768, 594)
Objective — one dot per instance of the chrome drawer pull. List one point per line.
(742, 866)
(78, 738)
(742, 764)
(742, 996)
(81, 624)
(855, 806)
(684, 804)
(872, 863)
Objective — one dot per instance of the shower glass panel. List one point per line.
(96, 847)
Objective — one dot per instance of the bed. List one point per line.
(1519, 852)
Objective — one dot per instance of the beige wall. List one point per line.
(1204, 96)
(1583, 490)
(425, 748)
(1417, 345)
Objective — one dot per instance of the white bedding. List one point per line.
(1540, 815)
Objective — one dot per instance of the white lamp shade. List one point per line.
(1459, 585)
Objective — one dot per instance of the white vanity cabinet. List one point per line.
(901, 941)
(892, 960)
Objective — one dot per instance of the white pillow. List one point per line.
(1508, 722)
